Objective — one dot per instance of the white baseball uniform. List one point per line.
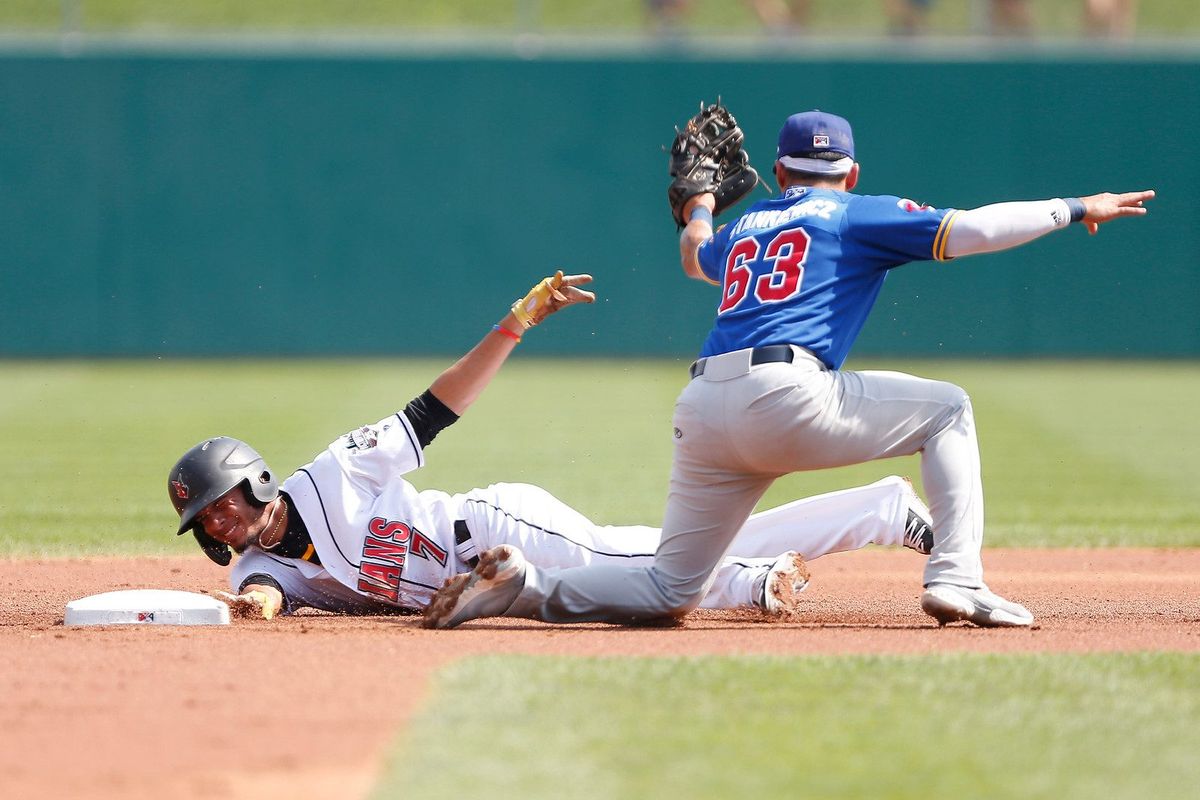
(381, 544)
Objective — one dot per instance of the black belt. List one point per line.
(462, 535)
(771, 354)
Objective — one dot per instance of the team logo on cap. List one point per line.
(820, 140)
(181, 489)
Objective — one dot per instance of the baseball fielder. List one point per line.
(347, 533)
(798, 274)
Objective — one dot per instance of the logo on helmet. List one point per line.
(181, 489)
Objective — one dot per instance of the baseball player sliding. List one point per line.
(348, 533)
(798, 274)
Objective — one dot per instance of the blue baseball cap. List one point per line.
(812, 132)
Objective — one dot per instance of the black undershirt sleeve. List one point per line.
(428, 417)
(261, 580)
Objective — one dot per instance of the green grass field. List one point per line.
(955, 726)
(1075, 454)
(1157, 18)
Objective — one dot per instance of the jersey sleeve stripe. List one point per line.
(708, 279)
(412, 438)
(943, 235)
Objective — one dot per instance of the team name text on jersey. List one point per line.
(385, 549)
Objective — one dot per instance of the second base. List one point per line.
(147, 607)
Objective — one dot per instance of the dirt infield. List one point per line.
(140, 712)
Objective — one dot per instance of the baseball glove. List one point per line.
(707, 156)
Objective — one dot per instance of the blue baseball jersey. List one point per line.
(806, 267)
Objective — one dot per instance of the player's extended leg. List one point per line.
(551, 534)
(603, 592)
(834, 522)
(887, 512)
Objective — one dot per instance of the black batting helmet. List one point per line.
(209, 470)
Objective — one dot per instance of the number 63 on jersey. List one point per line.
(774, 273)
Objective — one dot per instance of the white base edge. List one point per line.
(147, 607)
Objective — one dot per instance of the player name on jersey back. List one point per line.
(820, 207)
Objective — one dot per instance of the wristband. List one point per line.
(701, 213)
(1077, 208)
(507, 333)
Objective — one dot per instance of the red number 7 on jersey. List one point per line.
(786, 253)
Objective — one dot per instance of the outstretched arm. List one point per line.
(462, 383)
(1002, 226)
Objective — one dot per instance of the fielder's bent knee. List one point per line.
(956, 404)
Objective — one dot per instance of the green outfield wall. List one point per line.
(168, 203)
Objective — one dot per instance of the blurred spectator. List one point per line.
(1011, 18)
(782, 16)
(1115, 19)
(907, 17)
(1004, 17)
(666, 16)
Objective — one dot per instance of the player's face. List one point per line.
(233, 520)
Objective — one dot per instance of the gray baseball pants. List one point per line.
(737, 428)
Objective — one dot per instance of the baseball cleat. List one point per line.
(785, 580)
(488, 590)
(947, 603)
(918, 529)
